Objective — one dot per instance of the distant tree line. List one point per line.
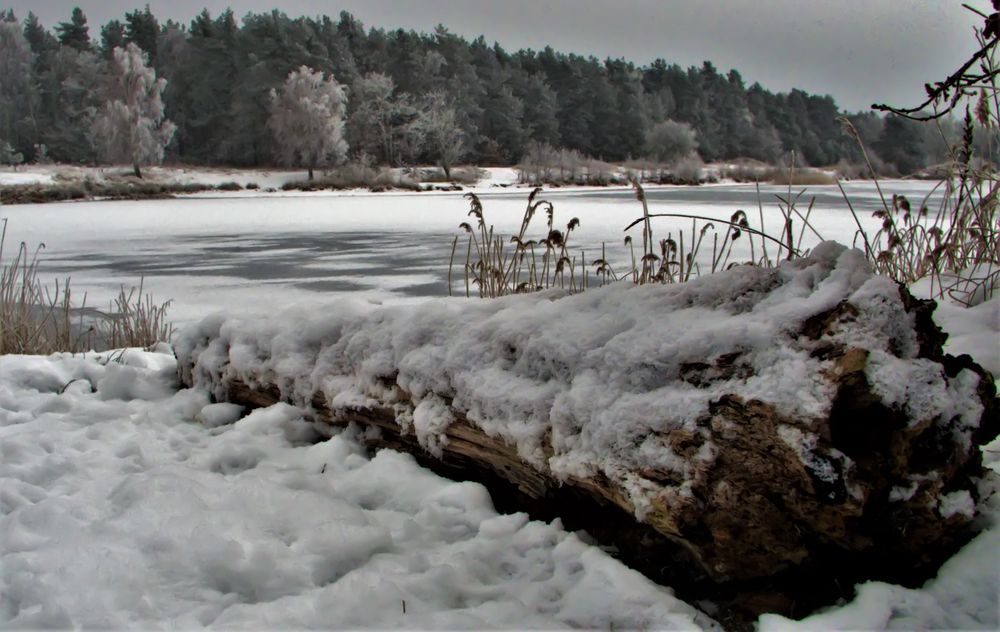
(410, 97)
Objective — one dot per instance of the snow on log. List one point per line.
(760, 421)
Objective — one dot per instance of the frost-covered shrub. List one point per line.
(668, 141)
(687, 170)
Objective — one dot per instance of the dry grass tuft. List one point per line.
(956, 246)
(39, 319)
(498, 266)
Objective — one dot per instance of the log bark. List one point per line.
(772, 510)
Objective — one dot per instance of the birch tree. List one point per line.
(307, 120)
(383, 122)
(131, 125)
(443, 139)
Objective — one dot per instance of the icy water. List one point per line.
(262, 252)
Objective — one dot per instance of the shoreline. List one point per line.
(43, 184)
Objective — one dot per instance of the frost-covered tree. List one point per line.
(669, 140)
(383, 123)
(131, 125)
(307, 119)
(443, 139)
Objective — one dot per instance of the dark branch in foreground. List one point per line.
(958, 84)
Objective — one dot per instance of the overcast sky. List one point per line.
(859, 51)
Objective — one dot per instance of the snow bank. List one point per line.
(119, 510)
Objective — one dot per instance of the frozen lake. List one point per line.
(257, 253)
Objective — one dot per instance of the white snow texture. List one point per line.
(118, 510)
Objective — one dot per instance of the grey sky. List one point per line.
(859, 51)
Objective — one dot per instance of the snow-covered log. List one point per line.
(753, 424)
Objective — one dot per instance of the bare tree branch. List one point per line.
(958, 84)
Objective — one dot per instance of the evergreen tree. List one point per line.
(502, 135)
(208, 74)
(629, 118)
(352, 33)
(141, 29)
(112, 37)
(39, 40)
(405, 64)
(18, 125)
(342, 62)
(69, 100)
(75, 33)
(576, 115)
(541, 107)
(175, 57)
(902, 144)
(462, 84)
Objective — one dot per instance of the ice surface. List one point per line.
(218, 253)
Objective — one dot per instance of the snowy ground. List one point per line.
(50, 174)
(208, 176)
(125, 503)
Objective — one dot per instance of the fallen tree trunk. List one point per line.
(758, 435)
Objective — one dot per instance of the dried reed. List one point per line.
(39, 319)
